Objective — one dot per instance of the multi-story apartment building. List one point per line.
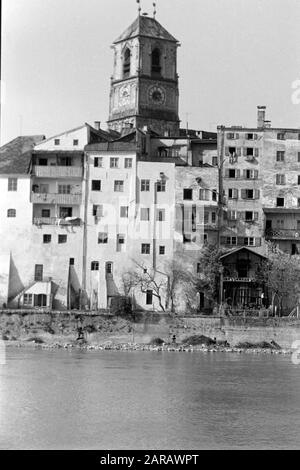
(97, 204)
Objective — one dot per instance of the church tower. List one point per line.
(144, 85)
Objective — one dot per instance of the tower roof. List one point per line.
(146, 26)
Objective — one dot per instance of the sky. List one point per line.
(234, 55)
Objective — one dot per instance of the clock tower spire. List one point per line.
(144, 84)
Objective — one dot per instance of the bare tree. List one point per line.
(179, 279)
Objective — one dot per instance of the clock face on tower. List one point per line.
(156, 95)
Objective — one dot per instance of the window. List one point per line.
(249, 151)
(298, 201)
(298, 157)
(213, 217)
(160, 215)
(98, 162)
(205, 238)
(145, 185)
(161, 186)
(214, 161)
(94, 266)
(231, 215)
(46, 213)
(38, 272)
(119, 186)
(64, 161)
(27, 299)
(120, 239)
(102, 237)
(251, 136)
(281, 136)
(187, 238)
(56, 142)
(11, 213)
(230, 135)
(204, 194)
(298, 179)
(248, 193)
(72, 261)
(75, 142)
(64, 189)
(280, 179)
(162, 250)
(249, 216)
(109, 268)
(114, 163)
(62, 239)
(126, 63)
(188, 194)
(145, 249)
(280, 202)
(97, 210)
(46, 238)
(145, 213)
(206, 218)
(149, 297)
(249, 241)
(155, 62)
(198, 268)
(124, 212)
(65, 212)
(280, 156)
(232, 173)
(250, 174)
(96, 185)
(231, 241)
(12, 184)
(128, 162)
(214, 194)
(233, 193)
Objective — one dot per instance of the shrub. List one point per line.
(35, 340)
(5, 338)
(90, 329)
(260, 345)
(157, 341)
(198, 339)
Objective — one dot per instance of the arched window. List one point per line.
(155, 62)
(126, 63)
(11, 213)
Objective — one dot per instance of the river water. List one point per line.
(148, 400)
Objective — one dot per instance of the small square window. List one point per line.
(46, 213)
(102, 237)
(27, 299)
(298, 179)
(75, 142)
(121, 239)
(280, 202)
(62, 238)
(161, 186)
(162, 250)
(145, 214)
(128, 162)
(114, 163)
(46, 238)
(280, 179)
(188, 194)
(11, 213)
(94, 266)
(72, 261)
(145, 185)
(160, 215)
(98, 162)
(119, 186)
(124, 212)
(97, 210)
(57, 142)
(145, 249)
(280, 156)
(96, 185)
(12, 184)
(231, 173)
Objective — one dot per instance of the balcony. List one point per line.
(238, 279)
(68, 221)
(57, 171)
(282, 234)
(53, 198)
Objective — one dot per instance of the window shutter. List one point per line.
(227, 151)
(237, 136)
(244, 151)
(240, 240)
(226, 173)
(239, 215)
(258, 241)
(236, 193)
(244, 173)
(256, 152)
(237, 174)
(238, 151)
(255, 136)
(243, 193)
(255, 174)
(255, 215)
(257, 194)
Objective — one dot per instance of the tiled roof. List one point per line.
(112, 146)
(146, 26)
(15, 156)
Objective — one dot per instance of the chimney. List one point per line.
(261, 115)
(97, 125)
(267, 124)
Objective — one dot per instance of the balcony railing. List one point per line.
(57, 171)
(238, 279)
(69, 221)
(282, 234)
(53, 198)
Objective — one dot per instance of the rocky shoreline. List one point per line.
(130, 347)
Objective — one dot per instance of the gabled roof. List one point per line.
(236, 250)
(148, 27)
(15, 156)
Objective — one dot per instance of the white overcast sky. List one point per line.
(235, 54)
